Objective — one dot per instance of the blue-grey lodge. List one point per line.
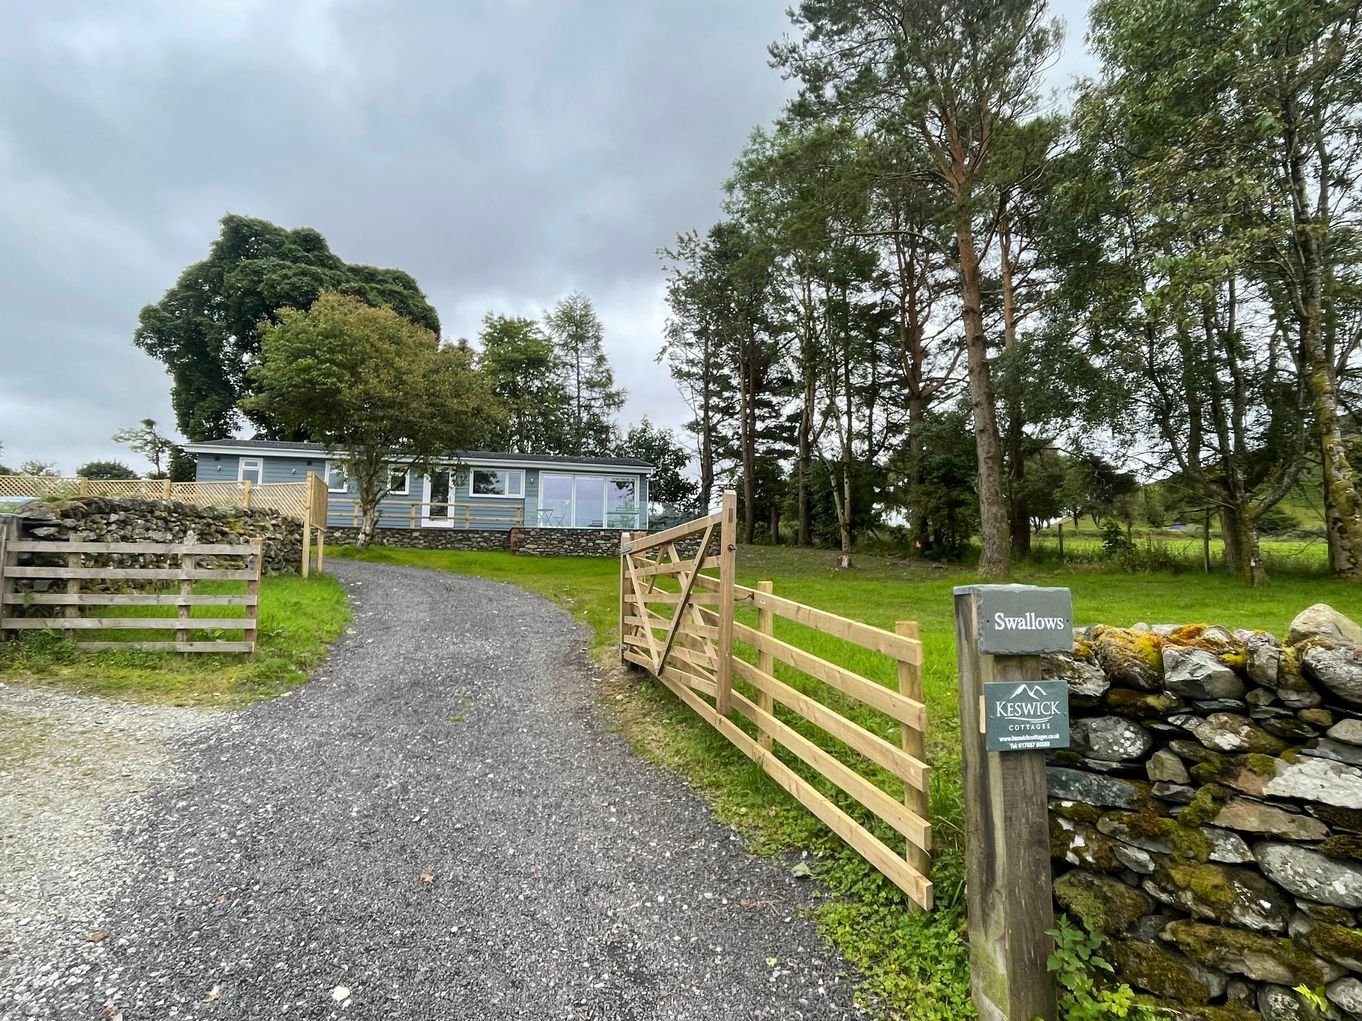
(478, 489)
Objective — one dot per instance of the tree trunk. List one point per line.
(749, 452)
(1242, 555)
(775, 522)
(916, 451)
(367, 527)
(995, 554)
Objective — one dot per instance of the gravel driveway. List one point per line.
(440, 825)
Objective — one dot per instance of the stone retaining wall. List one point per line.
(538, 542)
(1207, 819)
(429, 538)
(97, 519)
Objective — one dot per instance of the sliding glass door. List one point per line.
(587, 501)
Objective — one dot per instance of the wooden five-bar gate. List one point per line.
(678, 605)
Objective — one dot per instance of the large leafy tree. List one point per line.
(524, 372)
(593, 399)
(383, 394)
(206, 329)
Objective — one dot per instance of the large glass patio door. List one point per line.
(587, 501)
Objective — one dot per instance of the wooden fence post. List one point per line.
(252, 611)
(246, 487)
(182, 608)
(624, 589)
(914, 742)
(1008, 888)
(307, 527)
(728, 562)
(83, 486)
(766, 663)
(9, 531)
(167, 490)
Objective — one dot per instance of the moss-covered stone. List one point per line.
(1340, 818)
(1171, 1010)
(1129, 657)
(1145, 705)
(1156, 970)
(1205, 805)
(1318, 717)
(1261, 958)
(1335, 943)
(1192, 751)
(1081, 844)
(1076, 811)
(1228, 895)
(1104, 905)
(1343, 847)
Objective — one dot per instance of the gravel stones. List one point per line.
(455, 734)
(1197, 673)
(1311, 875)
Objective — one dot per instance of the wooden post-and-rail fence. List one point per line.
(81, 582)
(677, 620)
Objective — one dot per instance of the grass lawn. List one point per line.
(298, 619)
(917, 964)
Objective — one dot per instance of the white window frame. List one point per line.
(507, 472)
(329, 487)
(406, 482)
(259, 463)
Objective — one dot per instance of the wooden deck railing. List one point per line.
(679, 623)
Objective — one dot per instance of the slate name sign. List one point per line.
(1022, 620)
(1024, 716)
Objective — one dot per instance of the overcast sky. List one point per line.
(504, 152)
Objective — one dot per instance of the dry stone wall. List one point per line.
(94, 519)
(1207, 818)
(541, 542)
(428, 538)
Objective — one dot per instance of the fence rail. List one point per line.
(679, 623)
(184, 566)
(306, 500)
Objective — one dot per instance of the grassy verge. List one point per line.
(298, 619)
(914, 963)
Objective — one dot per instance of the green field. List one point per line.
(298, 620)
(914, 963)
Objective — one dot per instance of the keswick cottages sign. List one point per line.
(1025, 716)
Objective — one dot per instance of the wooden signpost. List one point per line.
(1005, 704)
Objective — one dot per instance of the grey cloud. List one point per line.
(503, 152)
